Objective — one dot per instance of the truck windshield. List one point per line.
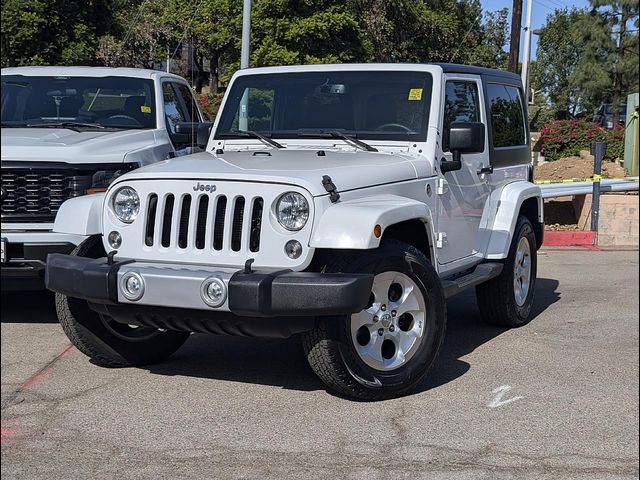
(81, 102)
(374, 105)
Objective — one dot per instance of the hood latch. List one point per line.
(331, 189)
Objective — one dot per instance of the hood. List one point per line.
(348, 169)
(64, 145)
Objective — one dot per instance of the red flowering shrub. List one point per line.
(209, 103)
(565, 138)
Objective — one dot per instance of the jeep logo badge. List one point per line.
(204, 188)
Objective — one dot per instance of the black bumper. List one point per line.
(25, 265)
(256, 294)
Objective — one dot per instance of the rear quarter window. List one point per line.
(507, 116)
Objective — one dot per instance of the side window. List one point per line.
(460, 105)
(507, 116)
(189, 102)
(174, 110)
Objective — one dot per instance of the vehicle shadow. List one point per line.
(28, 307)
(282, 363)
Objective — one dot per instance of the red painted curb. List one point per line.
(569, 239)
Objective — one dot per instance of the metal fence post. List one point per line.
(598, 150)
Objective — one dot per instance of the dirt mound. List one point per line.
(576, 167)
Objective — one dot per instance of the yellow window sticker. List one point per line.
(415, 94)
(145, 109)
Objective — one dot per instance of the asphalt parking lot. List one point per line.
(557, 398)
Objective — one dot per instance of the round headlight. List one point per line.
(292, 211)
(126, 204)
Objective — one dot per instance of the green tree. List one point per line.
(140, 37)
(608, 68)
(47, 32)
(557, 56)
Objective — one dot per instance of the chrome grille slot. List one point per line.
(167, 219)
(218, 226)
(256, 224)
(236, 226)
(151, 220)
(201, 222)
(183, 228)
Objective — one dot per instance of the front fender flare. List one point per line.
(512, 197)
(350, 224)
(80, 215)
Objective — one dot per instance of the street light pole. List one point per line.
(245, 52)
(527, 50)
(246, 34)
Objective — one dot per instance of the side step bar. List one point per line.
(482, 273)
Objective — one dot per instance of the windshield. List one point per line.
(112, 102)
(376, 105)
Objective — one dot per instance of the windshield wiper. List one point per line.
(252, 134)
(64, 125)
(350, 139)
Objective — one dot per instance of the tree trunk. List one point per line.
(213, 71)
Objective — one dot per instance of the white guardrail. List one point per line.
(552, 190)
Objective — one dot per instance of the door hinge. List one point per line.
(441, 186)
(441, 239)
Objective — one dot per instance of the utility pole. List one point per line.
(245, 52)
(527, 50)
(514, 46)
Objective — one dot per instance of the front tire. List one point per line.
(107, 342)
(386, 350)
(507, 300)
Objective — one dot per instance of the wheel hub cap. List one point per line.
(390, 330)
(522, 271)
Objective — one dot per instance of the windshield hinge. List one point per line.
(331, 189)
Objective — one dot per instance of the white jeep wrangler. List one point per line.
(344, 203)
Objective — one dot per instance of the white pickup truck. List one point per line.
(343, 203)
(69, 131)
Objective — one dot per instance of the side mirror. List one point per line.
(464, 137)
(188, 133)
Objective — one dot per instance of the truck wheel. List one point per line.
(107, 342)
(387, 349)
(507, 299)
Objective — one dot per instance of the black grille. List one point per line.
(36, 195)
(200, 222)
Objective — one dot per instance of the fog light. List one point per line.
(213, 292)
(293, 249)
(115, 240)
(132, 286)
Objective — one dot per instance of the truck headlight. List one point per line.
(292, 211)
(126, 204)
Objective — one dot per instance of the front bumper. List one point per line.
(256, 294)
(25, 263)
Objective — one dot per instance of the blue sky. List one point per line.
(541, 8)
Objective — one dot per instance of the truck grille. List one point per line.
(35, 195)
(204, 222)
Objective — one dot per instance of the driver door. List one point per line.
(464, 193)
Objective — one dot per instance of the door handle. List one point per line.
(484, 170)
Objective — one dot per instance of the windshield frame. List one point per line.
(65, 121)
(224, 124)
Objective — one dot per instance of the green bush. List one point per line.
(565, 138)
(210, 103)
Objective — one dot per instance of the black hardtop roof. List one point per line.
(473, 70)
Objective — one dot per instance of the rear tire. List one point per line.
(106, 342)
(507, 300)
(376, 354)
